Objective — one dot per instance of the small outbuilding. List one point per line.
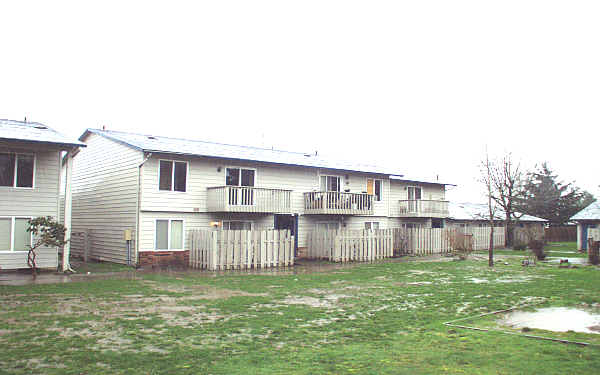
(588, 221)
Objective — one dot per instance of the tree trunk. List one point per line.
(491, 250)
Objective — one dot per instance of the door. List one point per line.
(414, 196)
(240, 182)
(584, 236)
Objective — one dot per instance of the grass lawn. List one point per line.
(382, 318)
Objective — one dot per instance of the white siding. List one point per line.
(42, 200)
(104, 197)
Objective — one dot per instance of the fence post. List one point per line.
(86, 245)
(214, 252)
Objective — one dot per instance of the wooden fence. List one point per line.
(428, 241)
(240, 249)
(351, 245)
(565, 233)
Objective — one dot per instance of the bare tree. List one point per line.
(506, 189)
(487, 178)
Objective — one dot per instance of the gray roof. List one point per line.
(419, 179)
(591, 212)
(166, 145)
(34, 132)
(479, 211)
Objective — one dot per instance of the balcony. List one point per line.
(248, 199)
(334, 203)
(423, 208)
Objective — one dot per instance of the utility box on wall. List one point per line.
(127, 234)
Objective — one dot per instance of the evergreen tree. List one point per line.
(547, 197)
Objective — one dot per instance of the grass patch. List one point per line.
(384, 318)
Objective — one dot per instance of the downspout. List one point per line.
(58, 218)
(66, 266)
(138, 205)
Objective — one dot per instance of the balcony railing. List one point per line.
(423, 208)
(331, 202)
(248, 199)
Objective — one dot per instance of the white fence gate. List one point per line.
(241, 249)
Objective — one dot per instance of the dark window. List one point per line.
(172, 175)
(7, 169)
(166, 175)
(25, 171)
(247, 177)
(378, 190)
(232, 177)
(437, 223)
(180, 175)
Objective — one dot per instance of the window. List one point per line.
(14, 235)
(371, 225)
(169, 235)
(237, 225)
(437, 223)
(17, 170)
(328, 225)
(172, 175)
(414, 193)
(330, 183)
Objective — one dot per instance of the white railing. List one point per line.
(248, 199)
(423, 208)
(241, 249)
(331, 202)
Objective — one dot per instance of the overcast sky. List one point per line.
(422, 86)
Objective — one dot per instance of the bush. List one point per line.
(519, 246)
(537, 247)
(594, 252)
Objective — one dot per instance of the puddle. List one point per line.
(571, 260)
(557, 319)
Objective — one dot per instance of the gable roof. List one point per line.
(479, 211)
(591, 212)
(178, 146)
(34, 132)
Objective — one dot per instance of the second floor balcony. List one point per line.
(248, 199)
(337, 203)
(423, 208)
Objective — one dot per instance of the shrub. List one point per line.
(594, 252)
(537, 247)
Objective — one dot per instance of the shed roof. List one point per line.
(479, 211)
(178, 146)
(34, 132)
(591, 212)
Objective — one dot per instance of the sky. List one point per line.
(425, 87)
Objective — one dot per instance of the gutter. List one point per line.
(138, 205)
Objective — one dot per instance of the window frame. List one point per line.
(339, 178)
(12, 234)
(414, 187)
(237, 221)
(16, 173)
(371, 225)
(240, 176)
(328, 223)
(169, 220)
(187, 175)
